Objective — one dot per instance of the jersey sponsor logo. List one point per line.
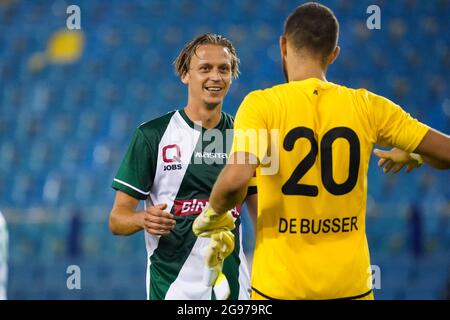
(316, 226)
(189, 207)
(172, 167)
(211, 155)
(171, 153)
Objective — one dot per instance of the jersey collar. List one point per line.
(194, 126)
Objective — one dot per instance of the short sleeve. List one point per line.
(137, 170)
(394, 126)
(250, 126)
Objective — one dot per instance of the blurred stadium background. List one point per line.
(69, 103)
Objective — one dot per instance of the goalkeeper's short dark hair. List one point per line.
(314, 27)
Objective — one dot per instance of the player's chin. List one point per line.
(213, 102)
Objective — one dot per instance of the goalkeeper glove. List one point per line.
(220, 247)
(209, 222)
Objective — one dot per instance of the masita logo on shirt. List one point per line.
(211, 155)
(210, 158)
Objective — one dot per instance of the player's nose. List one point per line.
(215, 75)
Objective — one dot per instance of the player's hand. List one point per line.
(209, 222)
(220, 247)
(395, 159)
(157, 221)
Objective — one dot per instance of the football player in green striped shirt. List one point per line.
(172, 164)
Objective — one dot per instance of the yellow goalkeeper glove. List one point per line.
(220, 247)
(209, 222)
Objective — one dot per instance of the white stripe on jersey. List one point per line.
(189, 284)
(244, 276)
(166, 184)
(132, 187)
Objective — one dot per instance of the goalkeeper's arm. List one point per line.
(229, 189)
(231, 185)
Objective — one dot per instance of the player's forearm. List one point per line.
(231, 186)
(436, 163)
(435, 149)
(123, 221)
(225, 197)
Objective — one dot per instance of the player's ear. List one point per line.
(333, 56)
(185, 78)
(283, 46)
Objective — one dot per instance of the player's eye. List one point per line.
(225, 69)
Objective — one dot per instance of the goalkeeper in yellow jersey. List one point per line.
(310, 142)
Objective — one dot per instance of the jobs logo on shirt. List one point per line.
(171, 155)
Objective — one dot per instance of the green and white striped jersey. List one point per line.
(171, 160)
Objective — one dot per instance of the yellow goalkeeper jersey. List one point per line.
(314, 140)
